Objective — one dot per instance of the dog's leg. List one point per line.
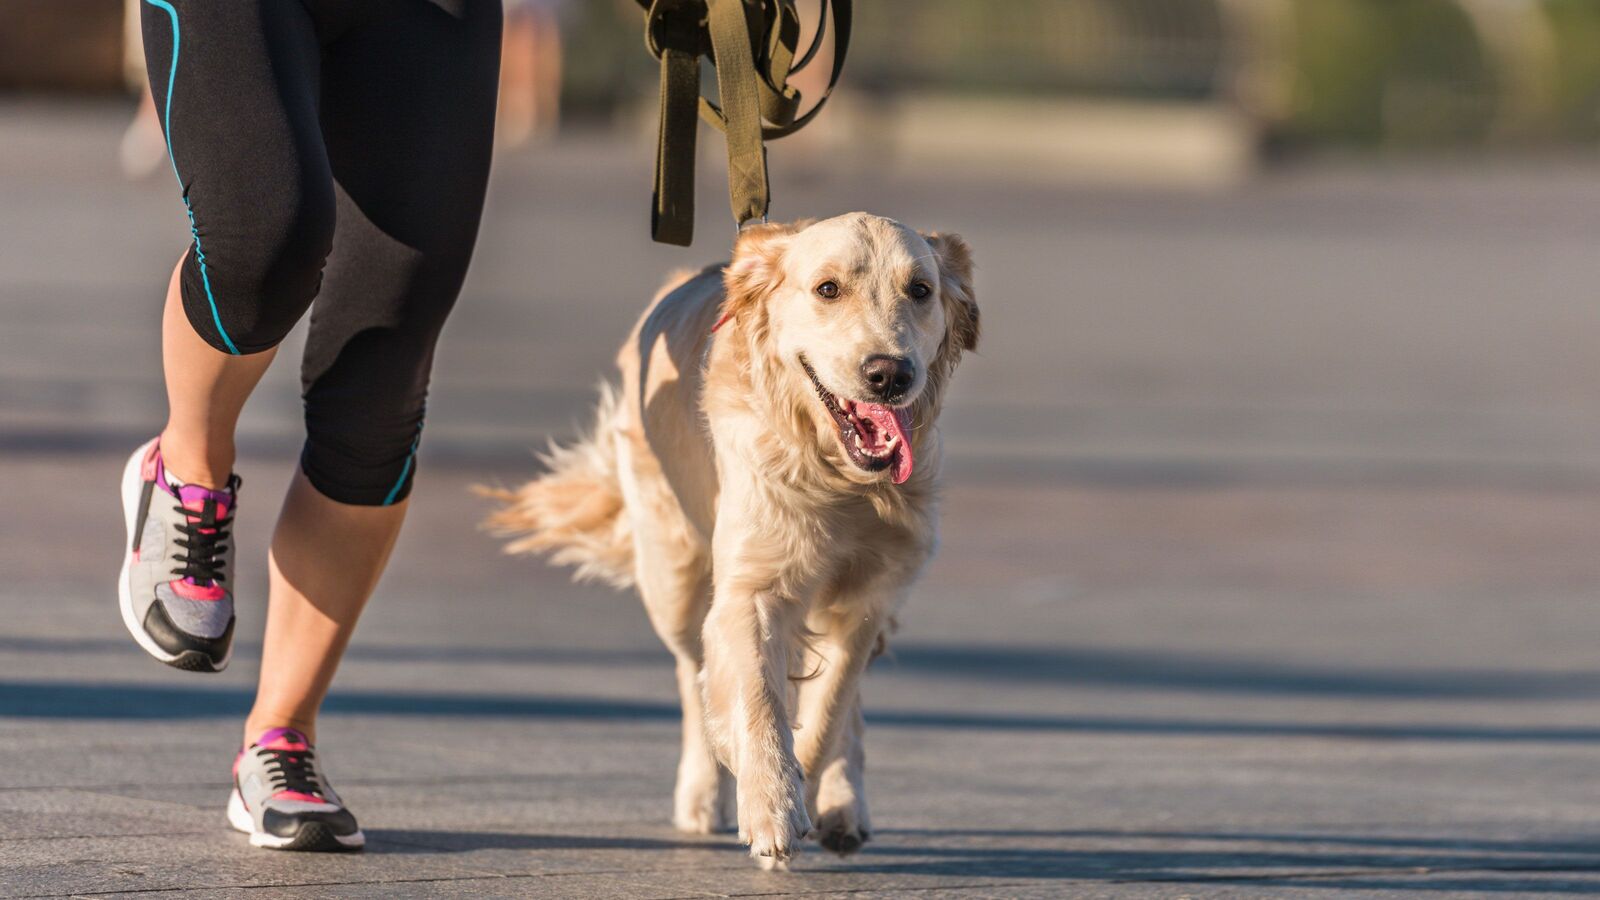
(850, 628)
(675, 584)
(843, 824)
(747, 640)
(830, 711)
(673, 572)
(702, 803)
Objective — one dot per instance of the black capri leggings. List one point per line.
(335, 150)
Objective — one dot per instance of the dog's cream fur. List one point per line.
(716, 483)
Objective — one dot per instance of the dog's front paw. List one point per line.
(773, 822)
(774, 834)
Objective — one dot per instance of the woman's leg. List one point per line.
(315, 604)
(206, 389)
(236, 91)
(408, 116)
(281, 798)
(235, 88)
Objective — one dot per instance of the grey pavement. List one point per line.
(1269, 564)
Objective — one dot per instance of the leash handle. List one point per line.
(752, 44)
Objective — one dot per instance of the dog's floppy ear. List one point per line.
(955, 287)
(756, 267)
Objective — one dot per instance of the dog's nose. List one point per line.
(888, 376)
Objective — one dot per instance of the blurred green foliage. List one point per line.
(604, 62)
(1420, 72)
(1407, 71)
(1166, 48)
(1348, 72)
(1576, 24)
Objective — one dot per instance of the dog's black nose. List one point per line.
(888, 376)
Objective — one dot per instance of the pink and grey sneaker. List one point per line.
(282, 800)
(173, 587)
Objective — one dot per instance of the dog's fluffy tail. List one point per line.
(575, 511)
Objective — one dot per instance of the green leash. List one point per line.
(752, 44)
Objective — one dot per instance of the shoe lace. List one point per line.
(294, 770)
(203, 542)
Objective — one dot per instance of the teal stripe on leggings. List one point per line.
(166, 127)
(405, 471)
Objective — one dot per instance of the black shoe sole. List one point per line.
(317, 837)
(194, 661)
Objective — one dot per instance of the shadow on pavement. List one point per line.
(1586, 845)
(1520, 887)
(654, 657)
(1384, 863)
(1092, 667)
(91, 700)
(1450, 864)
(416, 841)
(1042, 665)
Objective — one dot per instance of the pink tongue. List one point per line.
(898, 423)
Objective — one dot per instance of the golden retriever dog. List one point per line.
(767, 478)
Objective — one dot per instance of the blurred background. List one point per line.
(1298, 74)
(1274, 490)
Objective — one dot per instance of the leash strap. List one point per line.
(674, 36)
(752, 44)
(741, 109)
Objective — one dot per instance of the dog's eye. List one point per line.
(828, 290)
(921, 290)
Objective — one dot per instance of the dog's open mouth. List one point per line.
(874, 436)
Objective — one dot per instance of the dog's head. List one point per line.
(863, 320)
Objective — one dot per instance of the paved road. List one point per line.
(1269, 564)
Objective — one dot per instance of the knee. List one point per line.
(360, 456)
(246, 285)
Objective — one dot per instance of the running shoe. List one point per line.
(283, 802)
(173, 588)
